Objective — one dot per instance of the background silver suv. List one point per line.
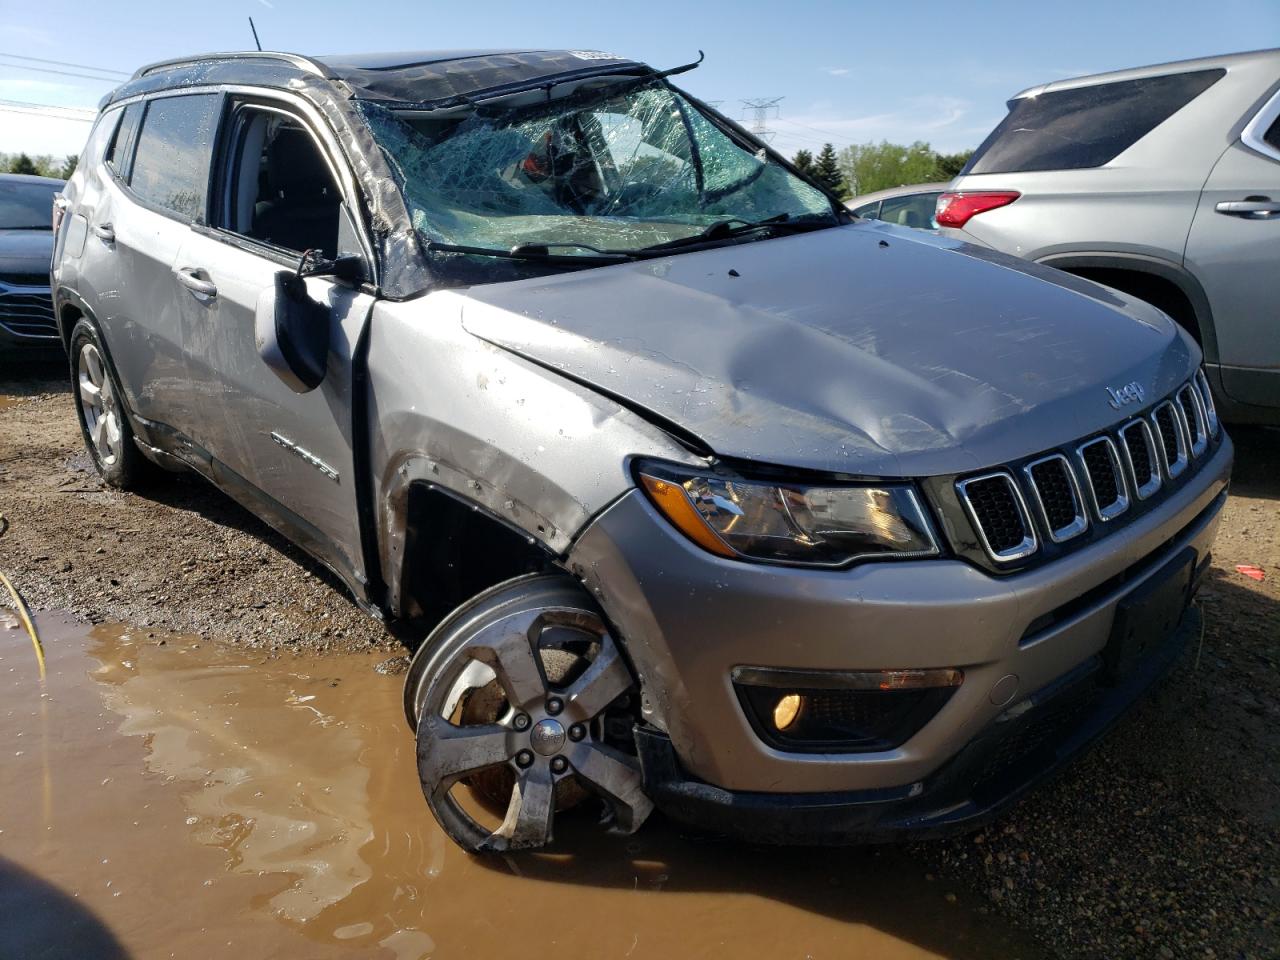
(1161, 181)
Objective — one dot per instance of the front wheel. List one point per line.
(100, 408)
(518, 699)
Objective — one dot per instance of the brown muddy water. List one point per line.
(166, 797)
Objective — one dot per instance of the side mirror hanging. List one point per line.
(292, 329)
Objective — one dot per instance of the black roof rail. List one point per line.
(306, 64)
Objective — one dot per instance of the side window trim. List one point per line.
(121, 173)
(1258, 132)
(151, 205)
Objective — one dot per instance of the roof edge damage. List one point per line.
(410, 79)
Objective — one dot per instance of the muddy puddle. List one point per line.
(163, 797)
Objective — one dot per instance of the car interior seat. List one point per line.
(299, 210)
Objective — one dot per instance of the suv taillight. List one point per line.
(955, 209)
(59, 210)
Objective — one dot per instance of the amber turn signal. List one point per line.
(675, 505)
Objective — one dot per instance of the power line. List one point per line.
(800, 138)
(33, 113)
(761, 111)
(87, 111)
(63, 63)
(61, 73)
(79, 114)
(825, 133)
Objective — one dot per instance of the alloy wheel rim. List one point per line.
(544, 736)
(98, 405)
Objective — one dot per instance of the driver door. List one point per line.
(288, 455)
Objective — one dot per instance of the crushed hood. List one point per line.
(865, 349)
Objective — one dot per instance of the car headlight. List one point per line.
(791, 523)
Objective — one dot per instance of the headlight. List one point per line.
(791, 523)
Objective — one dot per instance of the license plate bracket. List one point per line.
(1147, 617)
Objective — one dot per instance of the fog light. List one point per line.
(842, 711)
(787, 709)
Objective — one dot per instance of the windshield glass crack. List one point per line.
(600, 173)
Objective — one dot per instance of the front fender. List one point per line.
(536, 451)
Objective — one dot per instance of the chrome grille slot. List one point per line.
(1194, 418)
(1173, 440)
(1103, 478)
(999, 515)
(1206, 401)
(1053, 485)
(1140, 456)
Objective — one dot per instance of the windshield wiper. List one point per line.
(34, 226)
(537, 251)
(545, 252)
(736, 227)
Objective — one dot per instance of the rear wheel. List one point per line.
(521, 701)
(100, 408)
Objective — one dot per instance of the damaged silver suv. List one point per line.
(706, 495)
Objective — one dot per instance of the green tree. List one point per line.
(826, 170)
(68, 166)
(868, 167)
(950, 164)
(803, 161)
(23, 164)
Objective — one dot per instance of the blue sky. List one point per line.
(848, 72)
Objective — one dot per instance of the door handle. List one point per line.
(104, 232)
(187, 277)
(1254, 208)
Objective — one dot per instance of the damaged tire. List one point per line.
(516, 699)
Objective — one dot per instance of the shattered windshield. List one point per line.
(606, 171)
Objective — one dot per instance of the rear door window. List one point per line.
(175, 146)
(1085, 126)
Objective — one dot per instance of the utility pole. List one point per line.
(761, 110)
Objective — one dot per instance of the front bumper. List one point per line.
(1023, 746)
(689, 618)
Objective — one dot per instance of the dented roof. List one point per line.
(415, 77)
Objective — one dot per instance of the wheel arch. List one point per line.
(445, 548)
(1162, 283)
(69, 308)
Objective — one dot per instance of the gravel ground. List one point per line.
(182, 556)
(1163, 842)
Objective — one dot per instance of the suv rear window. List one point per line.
(175, 146)
(1085, 126)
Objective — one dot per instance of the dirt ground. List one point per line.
(1163, 842)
